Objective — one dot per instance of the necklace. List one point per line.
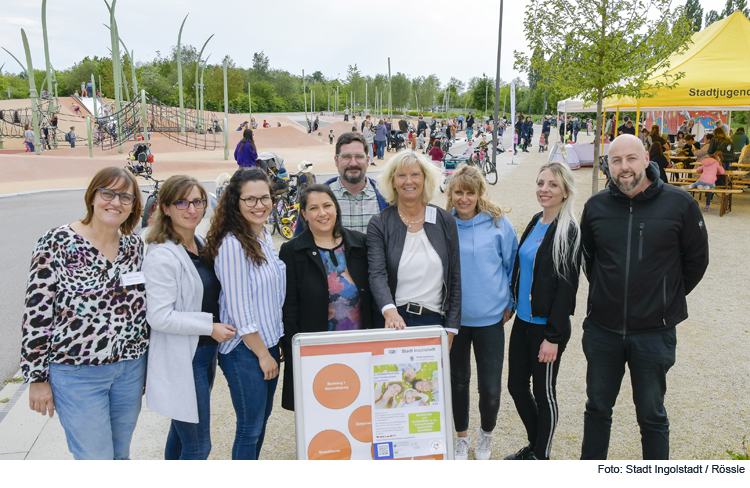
(409, 223)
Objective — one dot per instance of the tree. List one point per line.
(598, 49)
(729, 8)
(400, 89)
(694, 12)
(260, 64)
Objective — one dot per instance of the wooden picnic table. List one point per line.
(725, 193)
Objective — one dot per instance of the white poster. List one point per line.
(407, 406)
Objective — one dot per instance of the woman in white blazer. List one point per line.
(182, 298)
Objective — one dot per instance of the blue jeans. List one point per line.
(488, 341)
(31, 146)
(99, 406)
(381, 149)
(649, 356)
(252, 397)
(427, 318)
(193, 441)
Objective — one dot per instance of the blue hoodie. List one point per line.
(487, 257)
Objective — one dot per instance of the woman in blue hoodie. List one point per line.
(488, 245)
(246, 153)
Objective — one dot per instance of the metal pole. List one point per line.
(335, 110)
(93, 88)
(304, 94)
(89, 136)
(416, 98)
(486, 94)
(497, 88)
(365, 96)
(32, 92)
(249, 103)
(179, 76)
(226, 138)
(226, 93)
(390, 99)
(48, 79)
(202, 121)
(116, 71)
(143, 116)
(197, 66)
(100, 86)
(329, 100)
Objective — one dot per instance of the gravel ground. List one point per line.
(708, 400)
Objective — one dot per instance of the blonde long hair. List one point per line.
(468, 178)
(562, 248)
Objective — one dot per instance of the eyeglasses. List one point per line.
(361, 158)
(184, 204)
(109, 194)
(251, 202)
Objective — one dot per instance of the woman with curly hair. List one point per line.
(488, 245)
(253, 289)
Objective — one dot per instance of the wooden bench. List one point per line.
(726, 197)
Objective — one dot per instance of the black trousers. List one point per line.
(538, 410)
(489, 348)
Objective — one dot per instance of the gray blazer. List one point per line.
(386, 234)
(174, 298)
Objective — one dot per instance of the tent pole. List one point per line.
(637, 118)
(617, 121)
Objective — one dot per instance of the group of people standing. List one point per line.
(372, 254)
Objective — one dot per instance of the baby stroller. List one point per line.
(273, 164)
(436, 139)
(395, 141)
(140, 159)
(450, 163)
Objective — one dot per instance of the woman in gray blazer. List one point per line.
(182, 297)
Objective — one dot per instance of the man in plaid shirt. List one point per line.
(357, 194)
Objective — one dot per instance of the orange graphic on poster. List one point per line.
(360, 424)
(336, 386)
(331, 445)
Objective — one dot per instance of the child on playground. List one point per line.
(515, 141)
(469, 149)
(71, 137)
(542, 144)
(331, 137)
(320, 136)
(77, 109)
(709, 169)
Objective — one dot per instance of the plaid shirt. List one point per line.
(356, 210)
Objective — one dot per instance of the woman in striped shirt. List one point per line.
(253, 288)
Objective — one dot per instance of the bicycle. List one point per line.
(481, 159)
(149, 208)
(285, 211)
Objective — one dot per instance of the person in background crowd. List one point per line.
(656, 154)
(545, 282)
(739, 140)
(488, 245)
(244, 258)
(246, 153)
(183, 312)
(381, 136)
(84, 354)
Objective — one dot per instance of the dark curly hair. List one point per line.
(228, 218)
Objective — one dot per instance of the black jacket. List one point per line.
(642, 256)
(306, 305)
(552, 297)
(386, 234)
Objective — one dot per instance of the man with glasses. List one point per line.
(357, 194)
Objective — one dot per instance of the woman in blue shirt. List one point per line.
(253, 289)
(246, 153)
(488, 246)
(545, 282)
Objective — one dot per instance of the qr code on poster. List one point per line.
(384, 450)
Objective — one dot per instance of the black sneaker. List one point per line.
(522, 454)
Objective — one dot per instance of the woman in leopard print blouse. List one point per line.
(84, 326)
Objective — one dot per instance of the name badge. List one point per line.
(131, 279)
(430, 215)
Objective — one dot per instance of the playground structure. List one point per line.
(114, 123)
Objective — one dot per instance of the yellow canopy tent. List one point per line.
(717, 72)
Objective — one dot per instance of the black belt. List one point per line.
(417, 309)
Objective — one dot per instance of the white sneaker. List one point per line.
(483, 451)
(461, 451)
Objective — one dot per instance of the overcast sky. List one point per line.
(445, 37)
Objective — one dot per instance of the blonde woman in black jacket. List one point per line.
(545, 282)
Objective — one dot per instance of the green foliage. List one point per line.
(694, 12)
(385, 368)
(5, 400)
(729, 8)
(13, 380)
(740, 456)
(598, 48)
